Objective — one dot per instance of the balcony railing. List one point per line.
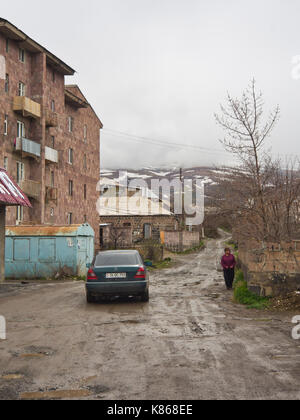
(27, 107)
(31, 188)
(51, 194)
(51, 118)
(51, 155)
(28, 147)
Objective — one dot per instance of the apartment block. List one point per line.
(49, 135)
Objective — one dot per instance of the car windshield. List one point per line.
(114, 259)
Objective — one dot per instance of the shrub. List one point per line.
(244, 296)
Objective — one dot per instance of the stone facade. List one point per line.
(272, 269)
(179, 241)
(46, 181)
(142, 227)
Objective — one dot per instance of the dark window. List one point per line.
(6, 125)
(52, 179)
(6, 86)
(70, 218)
(53, 106)
(71, 188)
(114, 259)
(22, 55)
(53, 142)
(84, 191)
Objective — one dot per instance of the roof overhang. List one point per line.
(10, 193)
(74, 100)
(12, 32)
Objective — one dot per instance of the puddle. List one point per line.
(11, 377)
(32, 355)
(56, 395)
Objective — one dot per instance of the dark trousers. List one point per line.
(229, 277)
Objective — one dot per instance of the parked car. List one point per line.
(117, 273)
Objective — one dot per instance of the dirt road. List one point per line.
(189, 342)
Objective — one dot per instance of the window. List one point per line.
(70, 218)
(70, 156)
(84, 191)
(71, 188)
(21, 89)
(19, 215)
(5, 125)
(52, 212)
(5, 163)
(53, 142)
(22, 55)
(20, 129)
(6, 86)
(85, 219)
(52, 179)
(85, 133)
(53, 105)
(84, 162)
(70, 124)
(20, 172)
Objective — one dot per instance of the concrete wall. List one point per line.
(271, 269)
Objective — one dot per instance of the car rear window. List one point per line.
(116, 259)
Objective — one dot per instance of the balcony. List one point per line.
(51, 155)
(51, 118)
(28, 147)
(27, 107)
(31, 188)
(51, 194)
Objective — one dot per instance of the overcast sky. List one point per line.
(158, 69)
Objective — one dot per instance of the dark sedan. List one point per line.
(117, 273)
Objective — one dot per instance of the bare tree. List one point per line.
(116, 235)
(246, 133)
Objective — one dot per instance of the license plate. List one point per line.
(116, 275)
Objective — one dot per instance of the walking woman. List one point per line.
(228, 263)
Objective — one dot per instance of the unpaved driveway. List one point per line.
(189, 342)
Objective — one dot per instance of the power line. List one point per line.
(161, 143)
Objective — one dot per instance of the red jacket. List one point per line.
(228, 261)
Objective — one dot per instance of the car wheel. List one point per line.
(145, 296)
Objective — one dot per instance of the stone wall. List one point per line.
(180, 241)
(137, 224)
(271, 269)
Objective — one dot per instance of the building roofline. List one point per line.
(85, 103)
(14, 33)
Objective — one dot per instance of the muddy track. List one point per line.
(190, 342)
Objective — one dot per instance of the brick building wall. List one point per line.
(44, 78)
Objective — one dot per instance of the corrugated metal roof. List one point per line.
(10, 192)
(69, 230)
